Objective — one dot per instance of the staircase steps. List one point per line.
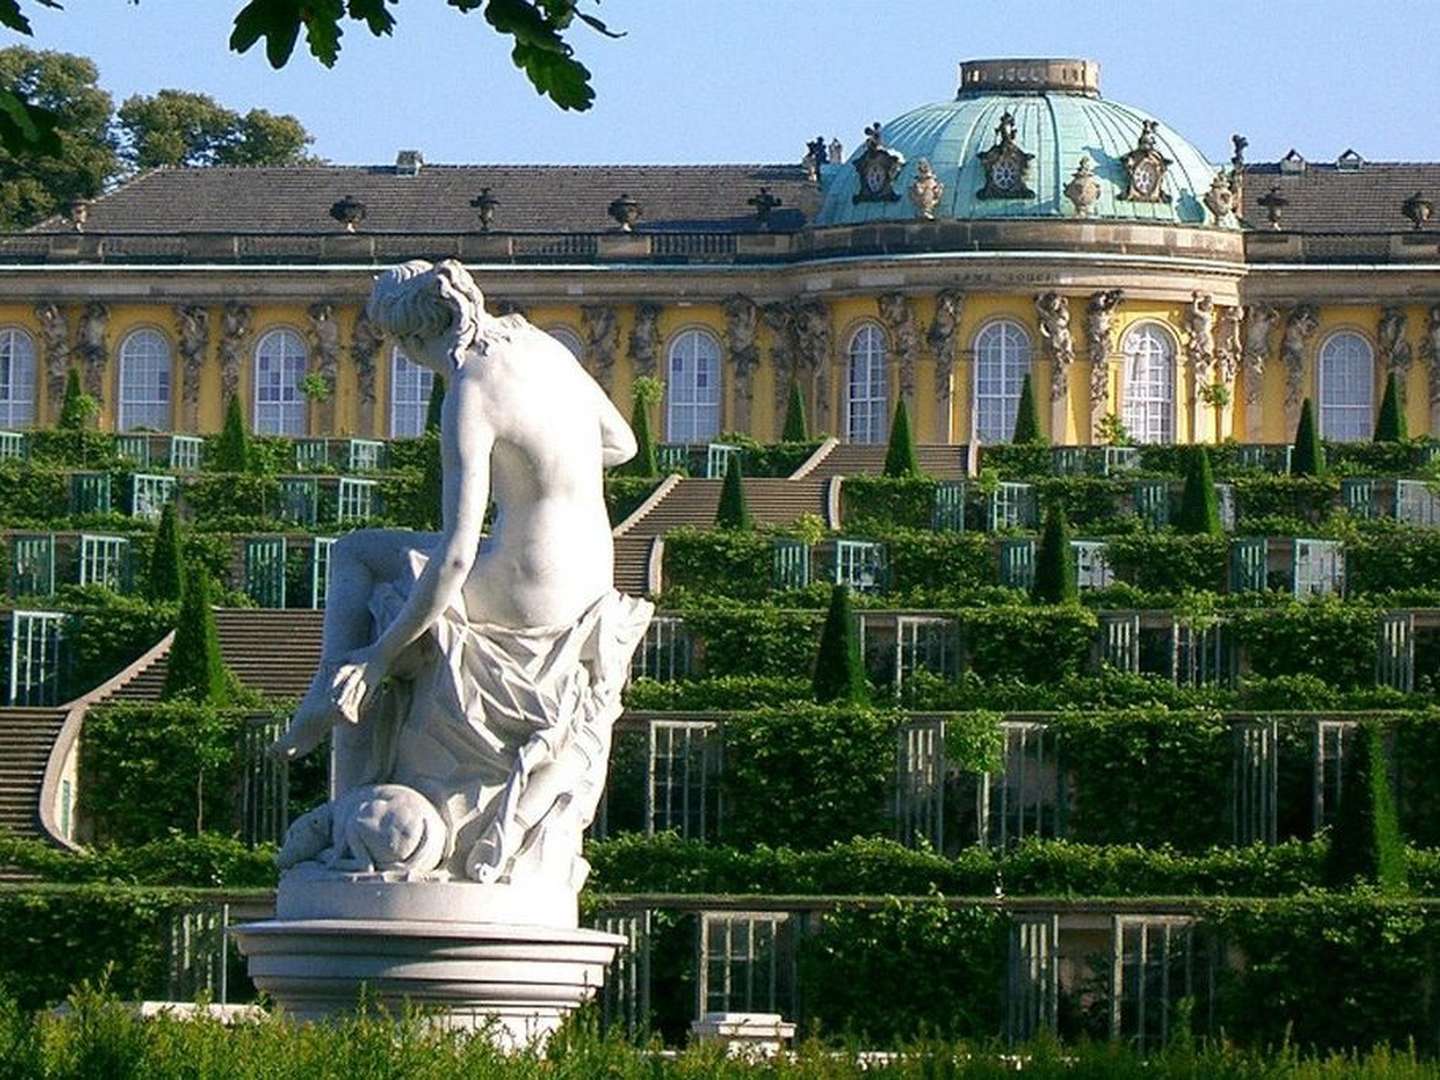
(26, 736)
(940, 461)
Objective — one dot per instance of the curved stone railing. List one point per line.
(651, 501)
(64, 755)
(811, 463)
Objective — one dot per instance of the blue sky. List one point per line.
(699, 81)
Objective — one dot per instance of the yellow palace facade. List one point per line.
(1025, 225)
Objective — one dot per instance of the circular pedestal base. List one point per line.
(515, 982)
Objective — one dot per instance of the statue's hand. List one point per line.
(354, 684)
(340, 692)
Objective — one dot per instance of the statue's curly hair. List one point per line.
(419, 300)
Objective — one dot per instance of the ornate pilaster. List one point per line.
(602, 342)
(644, 347)
(778, 316)
(944, 328)
(1260, 323)
(234, 336)
(365, 343)
(192, 331)
(1099, 344)
(1431, 349)
(741, 322)
(898, 315)
(1395, 353)
(812, 354)
(1300, 324)
(325, 346)
(1054, 312)
(92, 348)
(55, 346)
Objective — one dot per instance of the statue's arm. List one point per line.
(617, 441)
(466, 439)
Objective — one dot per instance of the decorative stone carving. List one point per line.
(742, 316)
(1260, 323)
(234, 336)
(77, 211)
(644, 349)
(602, 342)
(349, 211)
(1238, 144)
(1220, 199)
(926, 190)
(55, 345)
(898, 315)
(1303, 321)
(812, 352)
(91, 347)
(1229, 344)
(192, 323)
(878, 167)
(779, 319)
(625, 211)
(1274, 203)
(1145, 167)
(470, 695)
(944, 326)
(1007, 167)
(1054, 312)
(1083, 190)
(1431, 350)
(1099, 343)
(325, 349)
(1395, 354)
(816, 155)
(764, 203)
(1418, 209)
(485, 205)
(366, 341)
(1200, 333)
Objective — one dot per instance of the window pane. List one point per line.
(1347, 381)
(144, 381)
(868, 387)
(1149, 384)
(1002, 360)
(279, 367)
(693, 393)
(410, 386)
(17, 378)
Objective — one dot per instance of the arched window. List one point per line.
(17, 378)
(1002, 360)
(1149, 384)
(1347, 387)
(692, 392)
(868, 386)
(410, 386)
(570, 339)
(144, 381)
(279, 367)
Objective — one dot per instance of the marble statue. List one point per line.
(1054, 313)
(470, 682)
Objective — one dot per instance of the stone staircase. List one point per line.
(937, 460)
(26, 736)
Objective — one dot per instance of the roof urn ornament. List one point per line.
(349, 211)
(1145, 167)
(1083, 190)
(1220, 199)
(1007, 167)
(764, 202)
(625, 211)
(485, 204)
(1274, 203)
(1418, 209)
(77, 211)
(926, 190)
(878, 167)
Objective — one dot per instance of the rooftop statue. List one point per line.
(471, 681)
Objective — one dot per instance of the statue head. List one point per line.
(433, 311)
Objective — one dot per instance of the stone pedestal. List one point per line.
(744, 1034)
(516, 983)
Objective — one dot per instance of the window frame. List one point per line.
(696, 432)
(875, 427)
(425, 382)
(1364, 427)
(160, 406)
(10, 404)
(281, 407)
(1009, 405)
(1169, 411)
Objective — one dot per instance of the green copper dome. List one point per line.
(1058, 119)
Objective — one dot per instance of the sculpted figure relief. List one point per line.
(193, 321)
(742, 317)
(644, 348)
(1100, 343)
(898, 315)
(1432, 359)
(91, 347)
(1395, 352)
(1302, 321)
(602, 339)
(944, 326)
(234, 332)
(1200, 329)
(365, 342)
(1054, 312)
(1229, 347)
(470, 681)
(1260, 323)
(55, 339)
(811, 326)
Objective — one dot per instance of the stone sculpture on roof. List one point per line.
(1007, 167)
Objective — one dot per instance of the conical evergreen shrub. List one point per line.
(1308, 456)
(232, 449)
(733, 513)
(195, 669)
(645, 462)
(797, 424)
(167, 576)
(1055, 580)
(1027, 418)
(1391, 425)
(77, 407)
(432, 485)
(1199, 504)
(435, 407)
(839, 671)
(900, 459)
(1365, 844)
